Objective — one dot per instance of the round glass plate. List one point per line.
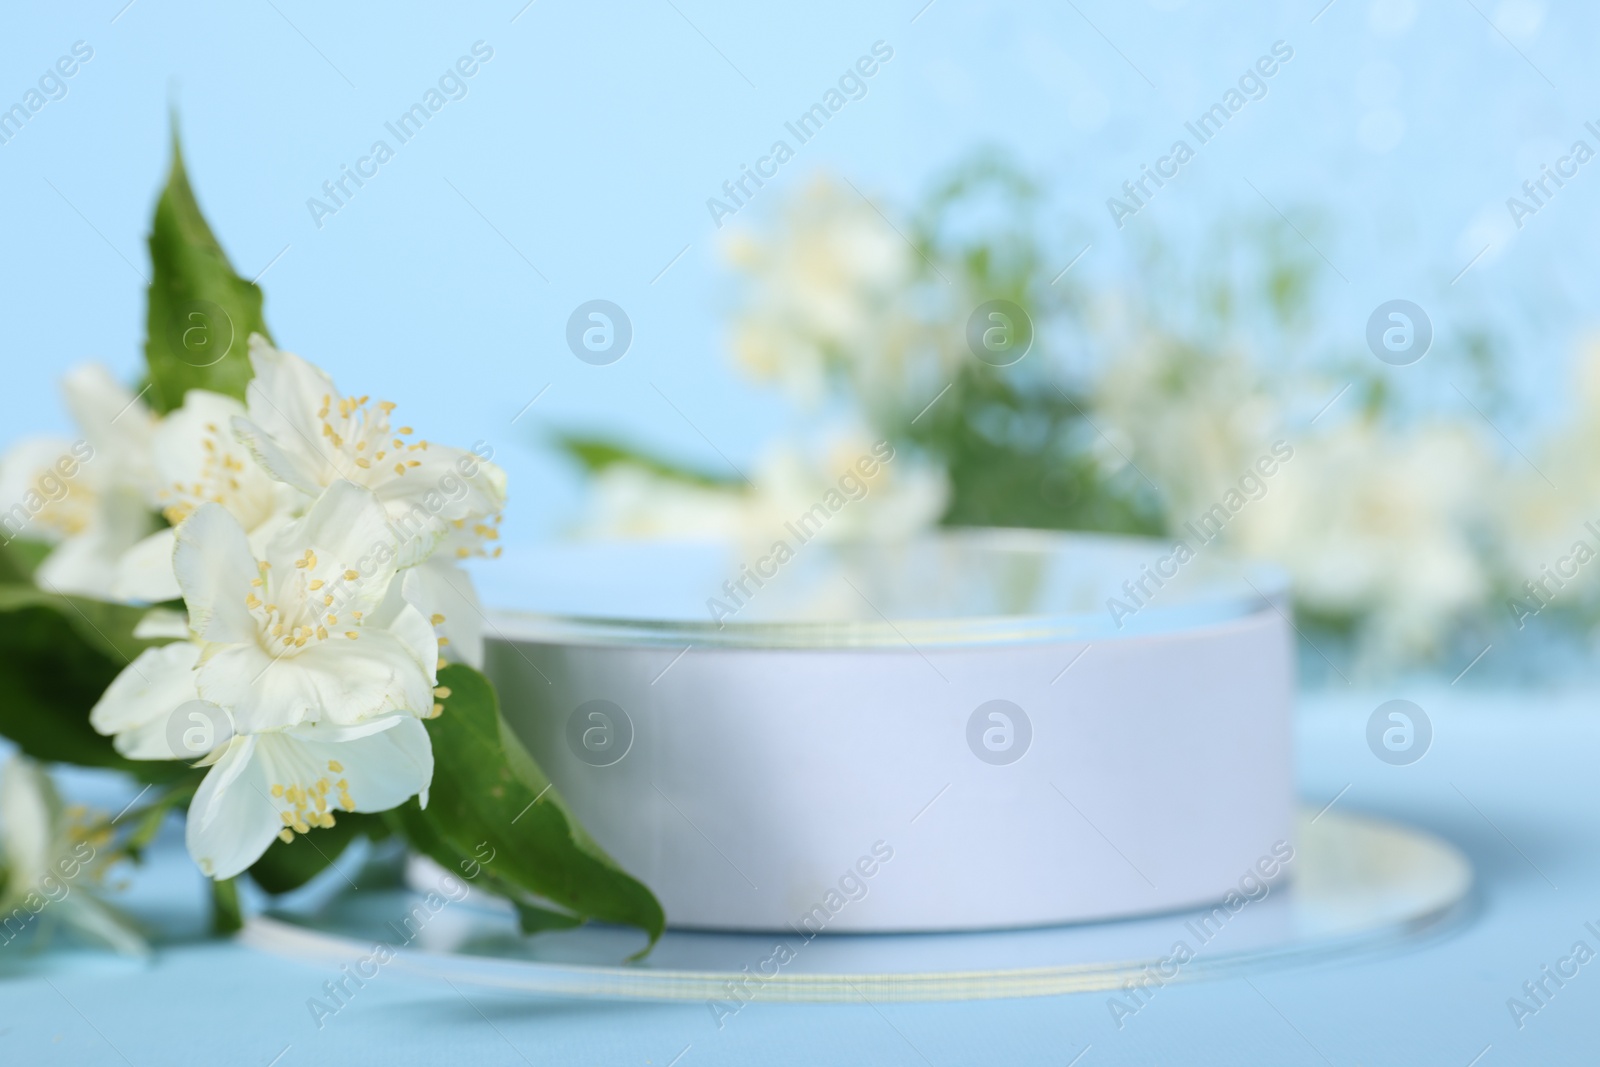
(1358, 884)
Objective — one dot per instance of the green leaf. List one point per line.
(411, 822)
(492, 811)
(57, 655)
(103, 626)
(201, 314)
(19, 558)
(288, 865)
(595, 454)
(532, 919)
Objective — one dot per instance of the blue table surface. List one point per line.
(1510, 779)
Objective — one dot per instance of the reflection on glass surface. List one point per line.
(953, 587)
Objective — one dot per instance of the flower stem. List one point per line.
(226, 918)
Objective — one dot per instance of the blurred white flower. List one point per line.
(899, 499)
(1540, 521)
(1191, 421)
(1378, 524)
(86, 497)
(52, 858)
(830, 293)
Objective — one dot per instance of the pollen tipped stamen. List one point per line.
(309, 807)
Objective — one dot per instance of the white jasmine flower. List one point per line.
(51, 856)
(313, 632)
(86, 497)
(272, 783)
(196, 460)
(303, 685)
(309, 435)
(316, 632)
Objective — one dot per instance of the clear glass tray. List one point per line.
(1359, 884)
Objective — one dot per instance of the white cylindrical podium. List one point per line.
(951, 734)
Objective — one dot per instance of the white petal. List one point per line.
(338, 680)
(148, 689)
(298, 467)
(179, 453)
(86, 563)
(412, 630)
(215, 568)
(144, 573)
(347, 531)
(384, 767)
(29, 811)
(232, 818)
(457, 495)
(79, 566)
(114, 421)
(159, 623)
(284, 429)
(440, 588)
(23, 464)
(235, 815)
(194, 730)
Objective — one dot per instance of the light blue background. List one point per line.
(593, 138)
(591, 142)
